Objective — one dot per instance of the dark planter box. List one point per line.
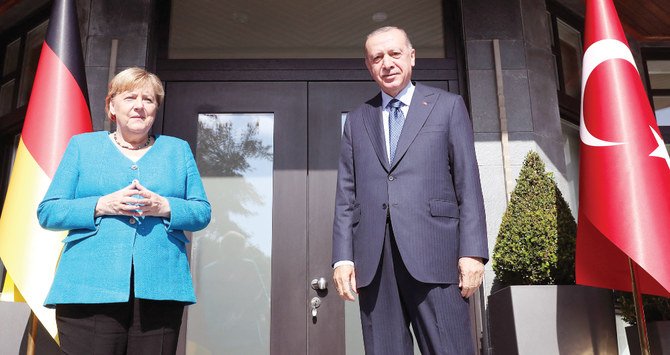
(658, 334)
(564, 319)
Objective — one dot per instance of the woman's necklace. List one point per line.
(116, 140)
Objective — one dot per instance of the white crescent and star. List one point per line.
(660, 151)
(596, 54)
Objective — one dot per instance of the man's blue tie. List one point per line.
(396, 119)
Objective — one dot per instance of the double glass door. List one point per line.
(267, 153)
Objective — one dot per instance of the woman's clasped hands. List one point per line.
(133, 200)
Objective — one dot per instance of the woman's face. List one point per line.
(135, 110)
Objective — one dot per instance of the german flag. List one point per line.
(57, 110)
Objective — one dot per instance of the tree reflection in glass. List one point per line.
(231, 259)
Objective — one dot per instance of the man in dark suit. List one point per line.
(409, 235)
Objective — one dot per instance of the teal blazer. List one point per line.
(99, 253)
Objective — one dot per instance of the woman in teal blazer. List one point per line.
(126, 198)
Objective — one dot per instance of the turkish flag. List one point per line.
(624, 185)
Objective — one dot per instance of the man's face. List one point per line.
(389, 60)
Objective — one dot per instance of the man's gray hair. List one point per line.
(387, 29)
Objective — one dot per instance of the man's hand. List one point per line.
(470, 273)
(345, 282)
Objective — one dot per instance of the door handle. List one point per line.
(314, 304)
(319, 284)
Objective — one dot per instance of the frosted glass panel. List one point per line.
(231, 259)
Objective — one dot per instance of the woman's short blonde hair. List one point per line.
(131, 79)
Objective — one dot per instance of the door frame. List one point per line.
(449, 70)
(308, 122)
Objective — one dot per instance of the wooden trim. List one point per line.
(7, 5)
(502, 116)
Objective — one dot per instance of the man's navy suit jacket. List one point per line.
(431, 190)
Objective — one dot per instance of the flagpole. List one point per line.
(639, 310)
(30, 347)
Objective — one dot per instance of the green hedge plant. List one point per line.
(656, 308)
(536, 241)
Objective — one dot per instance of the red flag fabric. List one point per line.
(624, 202)
(57, 109)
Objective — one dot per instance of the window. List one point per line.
(8, 83)
(657, 68)
(566, 44)
(570, 45)
(20, 49)
(571, 143)
(31, 55)
(8, 146)
(19, 53)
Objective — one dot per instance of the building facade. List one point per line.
(274, 80)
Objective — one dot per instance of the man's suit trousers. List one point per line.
(438, 314)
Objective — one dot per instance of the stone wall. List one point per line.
(531, 103)
(101, 22)
(521, 28)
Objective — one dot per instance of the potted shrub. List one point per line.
(536, 240)
(657, 315)
(535, 308)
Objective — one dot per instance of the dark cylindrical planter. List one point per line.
(549, 320)
(659, 338)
